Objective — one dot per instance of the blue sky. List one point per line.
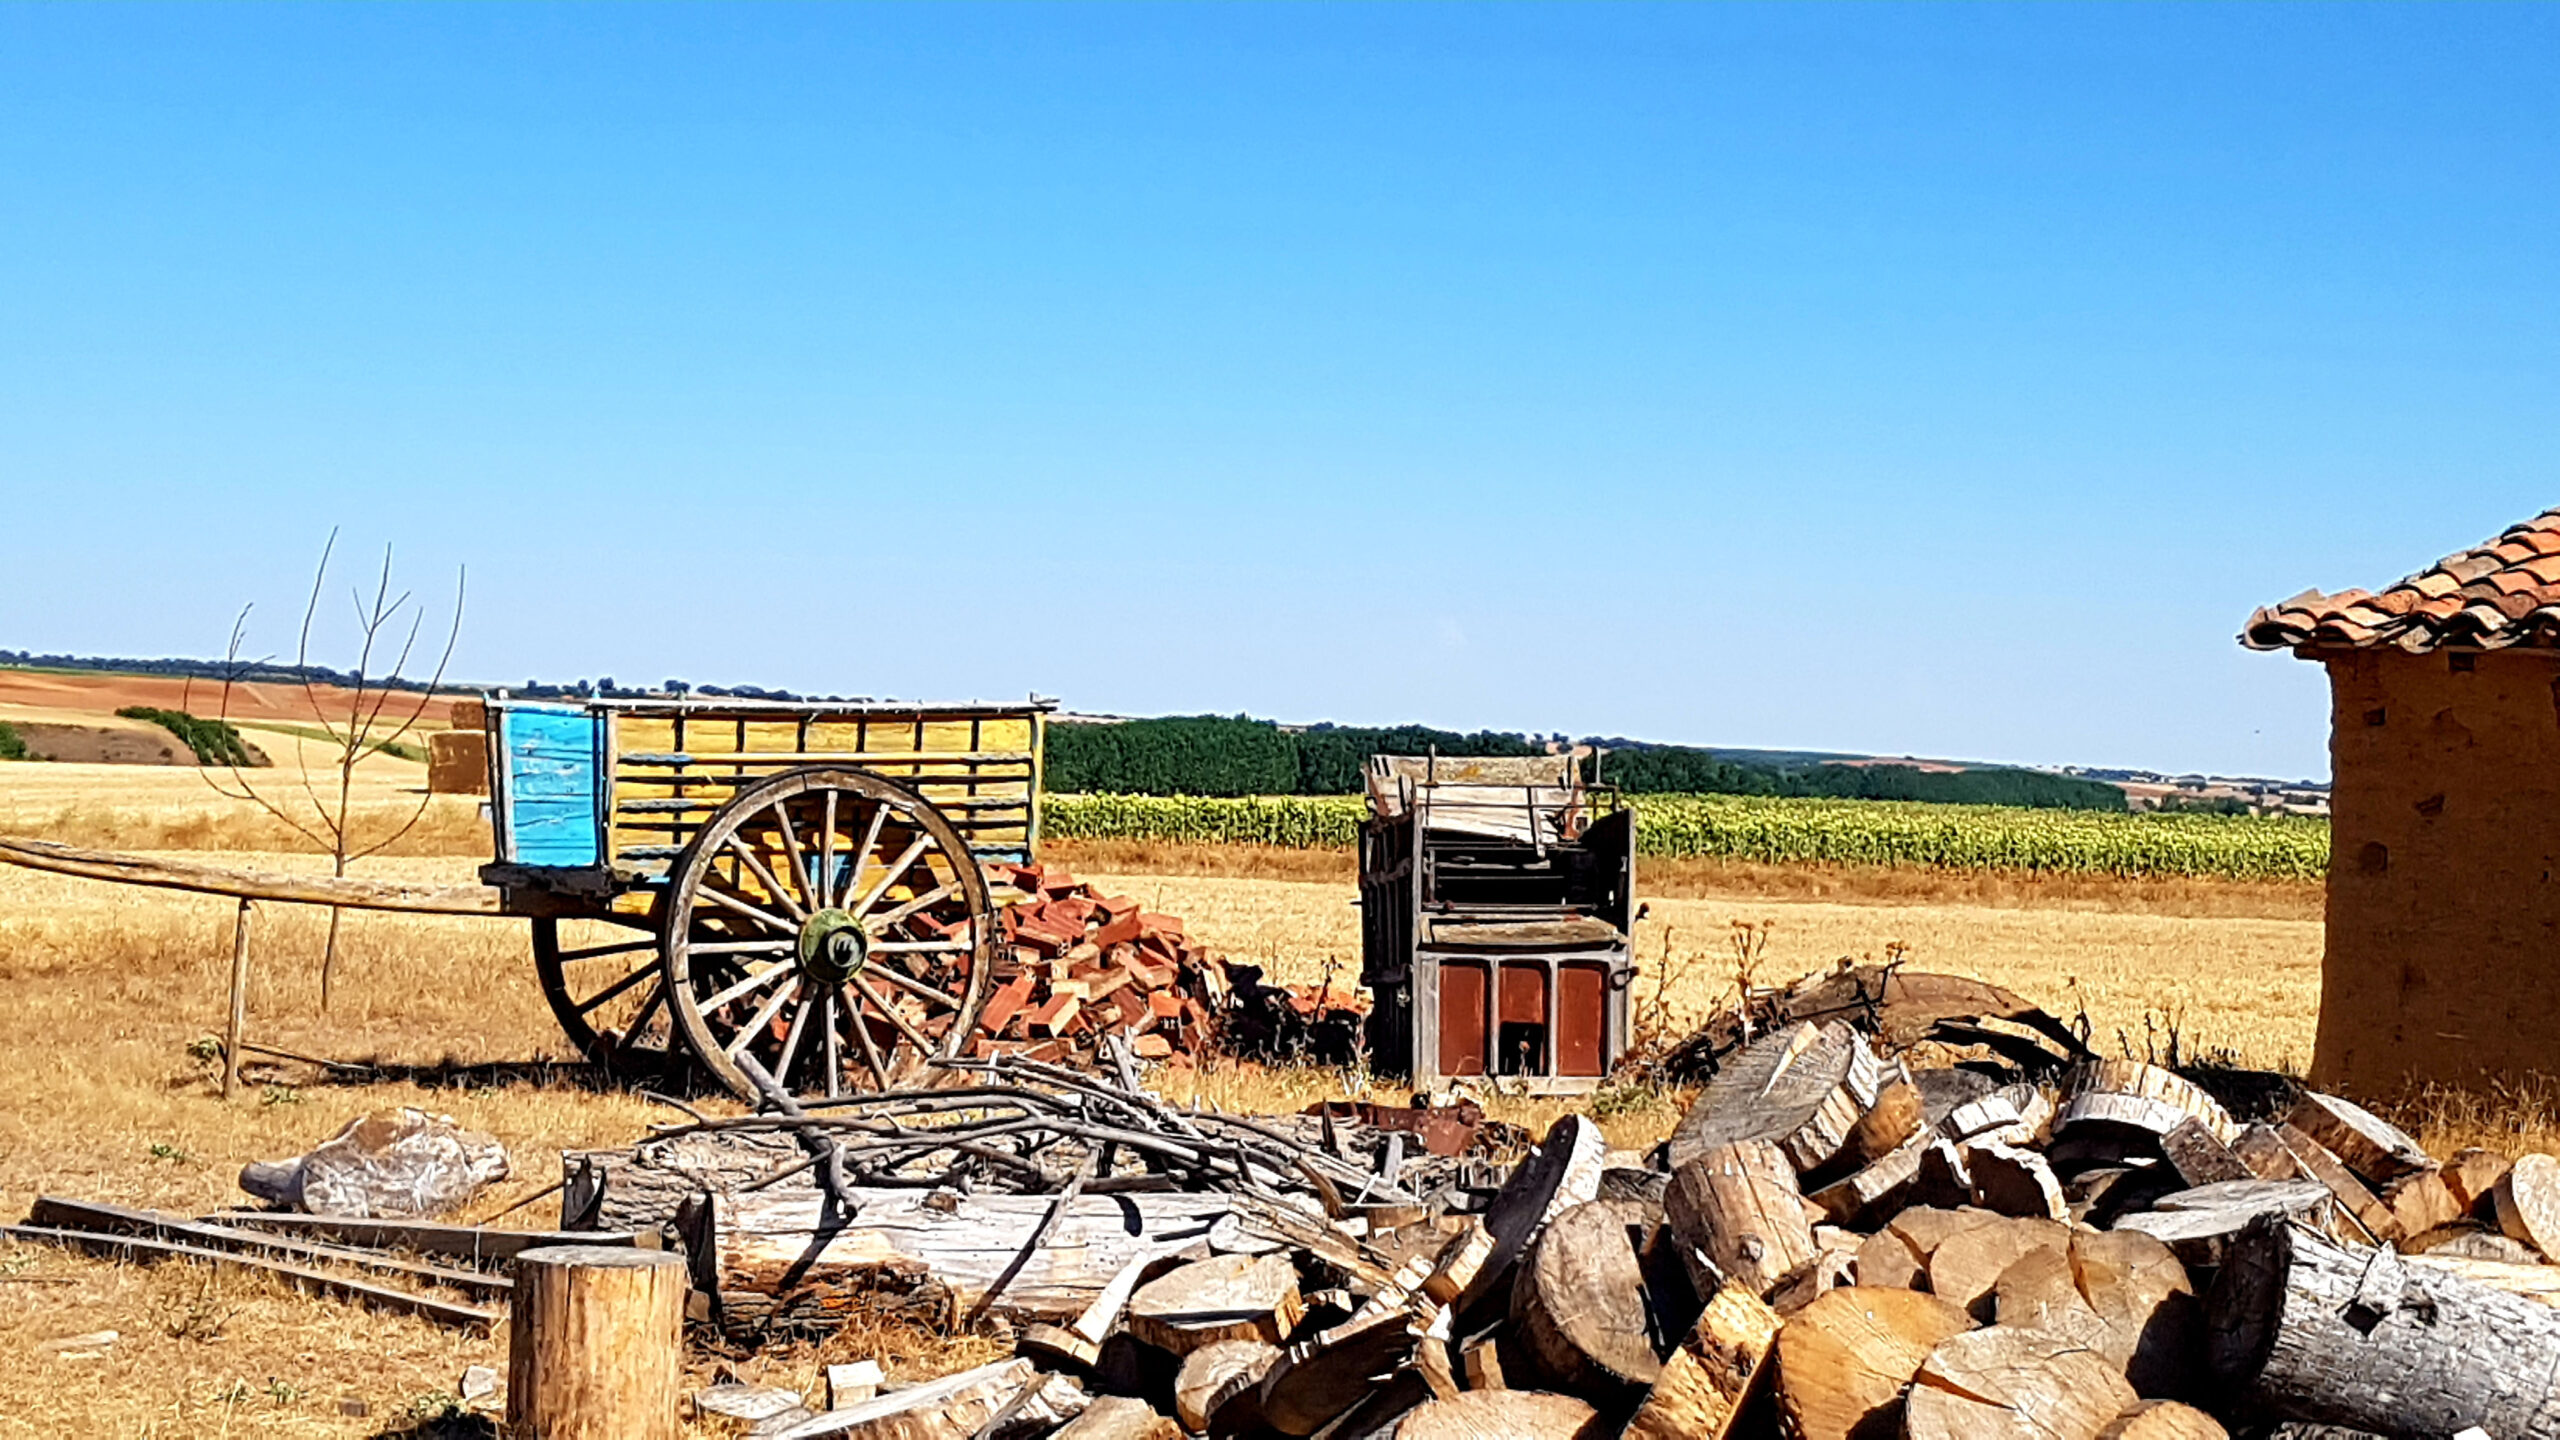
(1914, 380)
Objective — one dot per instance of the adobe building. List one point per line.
(2443, 956)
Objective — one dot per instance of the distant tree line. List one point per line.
(1222, 755)
(244, 672)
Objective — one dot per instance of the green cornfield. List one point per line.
(1782, 831)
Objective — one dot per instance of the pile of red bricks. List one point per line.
(1083, 965)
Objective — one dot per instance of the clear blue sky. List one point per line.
(1944, 381)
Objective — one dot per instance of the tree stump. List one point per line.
(2007, 1384)
(2307, 1330)
(595, 1348)
(1738, 1205)
(1227, 1297)
(1502, 1415)
(1845, 1360)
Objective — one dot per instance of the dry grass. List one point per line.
(108, 987)
(172, 807)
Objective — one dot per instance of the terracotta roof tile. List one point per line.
(2503, 592)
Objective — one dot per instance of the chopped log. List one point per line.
(1118, 1417)
(2152, 1321)
(2200, 1157)
(2536, 1282)
(1502, 1415)
(778, 1261)
(1737, 1206)
(1582, 1309)
(2307, 1330)
(1926, 1227)
(1992, 1115)
(2527, 1203)
(1435, 1355)
(2001, 1383)
(2420, 1202)
(2164, 1420)
(1480, 1360)
(1717, 1370)
(2041, 1292)
(1835, 1263)
(1208, 1371)
(2464, 1243)
(2263, 1150)
(2473, 1175)
(1382, 1410)
(1080, 1341)
(1964, 1269)
(1225, 1297)
(2375, 1149)
(1461, 1257)
(2146, 1097)
(1564, 1171)
(1879, 1189)
(955, 1407)
(595, 1346)
(1319, 1379)
(1845, 1360)
(2354, 1200)
(2197, 1224)
(1740, 1096)
(1886, 1261)
(1873, 1109)
(2008, 1180)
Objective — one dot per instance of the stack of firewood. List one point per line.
(1834, 1242)
(1080, 965)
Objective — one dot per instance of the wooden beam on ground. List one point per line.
(134, 1248)
(421, 1237)
(103, 1219)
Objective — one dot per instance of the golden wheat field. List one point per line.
(107, 988)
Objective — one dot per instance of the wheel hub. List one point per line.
(833, 948)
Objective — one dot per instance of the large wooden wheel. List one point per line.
(831, 925)
(607, 987)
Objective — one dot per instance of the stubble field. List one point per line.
(108, 987)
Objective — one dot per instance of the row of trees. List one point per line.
(1221, 755)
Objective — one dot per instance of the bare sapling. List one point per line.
(375, 711)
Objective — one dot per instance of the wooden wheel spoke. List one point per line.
(747, 856)
(617, 987)
(889, 1012)
(906, 861)
(921, 947)
(825, 879)
(791, 1040)
(748, 1032)
(648, 1012)
(913, 986)
(827, 1033)
(748, 986)
(862, 1037)
(739, 905)
(766, 946)
(799, 862)
(882, 921)
(862, 855)
(598, 952)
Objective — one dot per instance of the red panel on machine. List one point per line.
(1524, 994)
(1582, 1014)
(1464, 987)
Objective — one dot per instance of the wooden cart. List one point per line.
(766, 889)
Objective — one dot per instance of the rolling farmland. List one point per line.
(1890, 833)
